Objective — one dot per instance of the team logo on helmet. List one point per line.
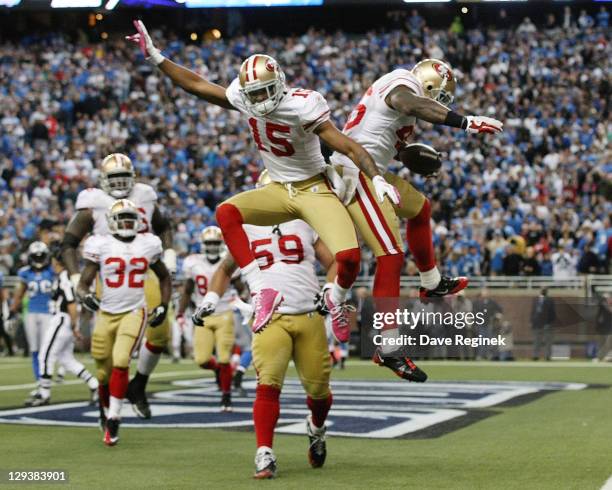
(443, 71)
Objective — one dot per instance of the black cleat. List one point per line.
(139, 402)
(401, 366)
(446, 286)
(111, 434)
(226, 402)
(317, 448)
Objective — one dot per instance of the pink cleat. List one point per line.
(266, 301)
(341, 326)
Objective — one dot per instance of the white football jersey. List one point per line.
(200, 270)
(286, 257)
(377, 127)
(288, 147)
(123, 268)
(143, 195)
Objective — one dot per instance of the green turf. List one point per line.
(561, 440)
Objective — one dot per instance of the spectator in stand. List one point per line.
(530, 265)
(564, 263)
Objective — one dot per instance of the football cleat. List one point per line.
(447, 285)
(265, 463)
(139, 402)
(341, 327)
(93, 396)
(111, 434)
(401, 366)
(266, 301)
(317, 448)
(37, 400)
(226, 402)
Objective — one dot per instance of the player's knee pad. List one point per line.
(227, 214)
(270, 379)
(348, 266)
(317, 390)
(121, 359)
(103, 370)
(158, 337)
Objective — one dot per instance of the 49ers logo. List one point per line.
(270, 65)
(443, 71)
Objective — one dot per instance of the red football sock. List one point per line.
(387, 277)
(104, 394)
(319, 409)
(230, 221)
(119, 382)
(420, 241)
(210, 364)
(153, 348)
(266, 410)
(225, 377)
(348, 267)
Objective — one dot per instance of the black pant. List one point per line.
(7, 338)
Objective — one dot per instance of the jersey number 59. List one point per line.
(290, 246)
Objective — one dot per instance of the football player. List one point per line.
(58, 340)
(121, 258)
(287, 254)
(218, 333)
(383, 122)
(36, 281)
(286, 125)
(117, 182)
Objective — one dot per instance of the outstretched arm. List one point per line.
(404, 100)
(181, 76)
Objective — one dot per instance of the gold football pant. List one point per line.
(114, 339)
(160, 335)
(311, 200)
(218, 334)
(298, 337)
(379, 223)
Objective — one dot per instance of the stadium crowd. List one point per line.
(535, 200)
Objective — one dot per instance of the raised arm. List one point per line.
(181, 76)
(162, 228)
(337, 141)
(404, 100)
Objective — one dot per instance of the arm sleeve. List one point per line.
(233, 95)
(315, 112)
(92, 249)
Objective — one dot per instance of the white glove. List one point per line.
(74, 279)
(383, 188)
(142, 38)
(336, 181)
(169, 260)
(245, 309)
(350, 176)
(483, 124)
(205, 308)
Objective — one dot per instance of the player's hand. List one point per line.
(383, 188)
(91, 302)
(144, 41)
(483, 124)
(158, 315)
(205, 309)
(320, 299)
(76, 332)
(169, 260)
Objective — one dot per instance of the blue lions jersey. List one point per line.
(39, 285)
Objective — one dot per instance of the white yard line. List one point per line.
(608, 484)
(169, 374)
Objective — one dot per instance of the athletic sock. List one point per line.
(114, 410)
(419, 238)
(44, 386)
(348, 262)
(266, 410)
(210, 364)
(230, 221)
(35, 365)
(319, 408)
(338, 293)
(148, 358)
(431, 278)
(104, 395)
(118, 386)
(225, 377)
(86, 376)
(253, 276)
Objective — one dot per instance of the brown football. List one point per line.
(421, 159)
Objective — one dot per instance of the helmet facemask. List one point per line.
(262, 98)
(212, 250)
(38, 256)
(124, 223)
(118, 185)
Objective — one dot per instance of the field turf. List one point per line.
(559, 441)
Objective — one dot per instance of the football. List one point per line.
(421, 159)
